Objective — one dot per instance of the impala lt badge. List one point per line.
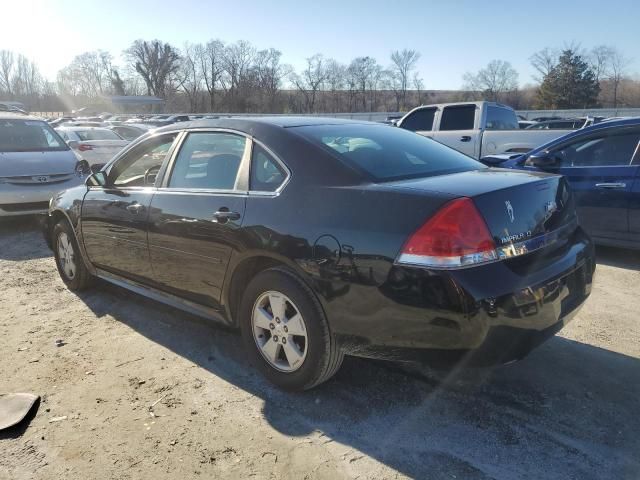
(512, 216)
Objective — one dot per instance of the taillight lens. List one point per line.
(83, 147)
(456, 236)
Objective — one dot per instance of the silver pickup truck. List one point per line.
(475, 128)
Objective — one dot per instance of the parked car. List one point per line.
(522, 124)
(602, 165)
(130, 131)
(96, 145)
(61, 120)
(475, 128)
(567, 123)
(162, 120)
(35, 163)
(325, 237)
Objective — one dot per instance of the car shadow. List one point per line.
(618, 257)
(567, 411)
(19, 233)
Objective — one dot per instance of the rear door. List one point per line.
(634, 203)
(196, 213)
(600, 171)
(456, 128)
(114, 217)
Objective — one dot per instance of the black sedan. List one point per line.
(322, 237)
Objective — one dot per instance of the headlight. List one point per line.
(82, 168)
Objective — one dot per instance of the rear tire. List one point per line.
(71, 266)
(285, 331)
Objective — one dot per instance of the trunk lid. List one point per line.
(517, 206)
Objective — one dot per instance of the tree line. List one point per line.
(238, 77)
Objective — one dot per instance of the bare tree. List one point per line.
(496, 79)
(311, 80)
(403, 62)
(156, 62)
(189, 75)
(600, 60)
(238, 59)
(618, 65)
(211, 58)
(543, 62)
(418, 85)
(7, 59)
(269, 73)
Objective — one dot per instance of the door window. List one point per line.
(458, 118)
(140, 166)
(420, 120)
(208, 160)
(604, 150)
(266, 173)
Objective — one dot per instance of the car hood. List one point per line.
(13, 164)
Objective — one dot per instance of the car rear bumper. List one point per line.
(29, 199)
(491, 314)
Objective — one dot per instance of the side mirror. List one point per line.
(543, 160)
(96, 179)
(73, 144)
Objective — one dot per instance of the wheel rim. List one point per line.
(279, 331)
(66, 256)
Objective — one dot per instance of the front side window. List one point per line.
(266, 173)
(140, 166)
(208, 160)
(387, 153)
(604, 150)
(458, 118)
(29, 136)
(420, 120)
(501, 119)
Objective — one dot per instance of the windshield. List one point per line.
(388, 153)
(96, 134)
(18, 135)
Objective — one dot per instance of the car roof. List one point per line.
(74, 128)
(249, 123)
(19, 116)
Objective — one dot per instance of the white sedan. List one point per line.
(94, 144)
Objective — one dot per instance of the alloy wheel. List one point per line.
(279, 331)
(66, 256)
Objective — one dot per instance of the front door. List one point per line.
(456, 128)
(195, 216)
(601, 175)
(114, 216)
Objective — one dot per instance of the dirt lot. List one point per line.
(150, 392)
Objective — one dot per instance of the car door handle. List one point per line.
(611, 185)
(224, 215)
(135, 208)
(465, 138)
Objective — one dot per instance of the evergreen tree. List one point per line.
(571, 83)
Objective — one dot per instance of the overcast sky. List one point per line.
(453, 36)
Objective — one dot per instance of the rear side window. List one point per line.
(501, 119)
(386, 153)
(86, 135)
(266, 173)
(458, 118)
(208, 160)
(420, 120)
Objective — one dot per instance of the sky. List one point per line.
(453, 37)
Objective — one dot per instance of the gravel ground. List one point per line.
(139, 390)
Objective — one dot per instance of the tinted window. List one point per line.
(208, 160)
(420, 120)
(607, 150)
(146, 158)
(385, 153)
(29, 136)
(266, 173)
(501, 119)
(458, 118)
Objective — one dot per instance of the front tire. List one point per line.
(71, 266)
(285, 331)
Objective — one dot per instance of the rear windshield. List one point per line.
(86, 135)
(29, 136)
(388, 153)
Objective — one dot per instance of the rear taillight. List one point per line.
(83, 147)
(456, 236)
